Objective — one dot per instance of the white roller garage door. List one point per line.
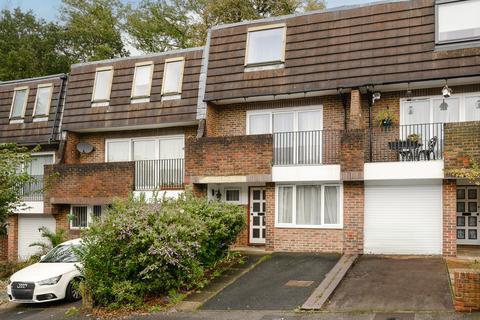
(28, 233)
(403, 219)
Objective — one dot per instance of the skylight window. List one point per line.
(458, 21)
(265, 45)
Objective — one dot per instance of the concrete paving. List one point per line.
(283, 282)
(393, 284)
(43, 311)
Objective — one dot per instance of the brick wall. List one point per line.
(88, 183)
(228, 156)
(353, 216)
(449, 218)
(12, 238)
(467, 290)
(97, 140)
(230, 120)
(461, 142)
(242, 238)
(270, 217)
(3, 248)
(352, 156)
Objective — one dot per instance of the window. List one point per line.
(83, 216)
(173, 76)
(151, 148)
(309, 206)
(458, 21)
(232, 195)
(142, 81)
(285, 120)
(36, 166)
(118, 150)
(19, 103)
(459, 107)
(42, 100)
(265, 45)
(102, 86)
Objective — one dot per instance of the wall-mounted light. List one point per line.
(446, 91)
(376, 96)
(477, 104)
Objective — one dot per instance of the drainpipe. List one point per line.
(370, 105)
(61, 97)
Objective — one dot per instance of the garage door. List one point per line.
(28, 233)
(403, 219)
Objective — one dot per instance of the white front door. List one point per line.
(467, 215)
(403, 219)
(257, 215)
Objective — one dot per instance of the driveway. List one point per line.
(282, 282)
(378, 283)
(50, 310)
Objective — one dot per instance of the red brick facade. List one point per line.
(449, 218)
(461, 143)
(467, 290)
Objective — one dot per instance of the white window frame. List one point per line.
(102, 102)
(438, 4)
(43, 117)
(262, 28)
(20, 119)
(322, 209)
(180, 80)
(142, 98)
(239, 195)
(461, 106)
(295, 111)
(131, 140)
(90, 215)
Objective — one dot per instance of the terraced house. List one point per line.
(334, 129)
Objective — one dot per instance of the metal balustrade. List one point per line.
(159, 174)
(33, 190)
(307, 147)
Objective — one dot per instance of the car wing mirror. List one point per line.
(41, 258)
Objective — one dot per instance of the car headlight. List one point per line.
(49, 281)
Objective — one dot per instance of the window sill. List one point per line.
(40, 118)
(16, 121)
(445, 46)
(100, 104)
(140, 100)
(326, 227)
(171, 97)
(264, 67)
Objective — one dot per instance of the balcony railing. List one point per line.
(307, 147)
(159, 174)
(415, 142)
(32, 191)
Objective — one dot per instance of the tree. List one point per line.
(93, 29)
(30, 47)
(172, 24)
(12, 159)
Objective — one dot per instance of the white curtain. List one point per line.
(171, 148)
(43, 101)
(144, 150)
(259, 124)
(446, 110)
(285, 204)
(265, 45)
(416, 112)
(143, 76)
(310, 120)
(118, 151)
(331, 209)
(283, 122)
(36, 166)
(173, 72)
(472, 108)
(309, 205)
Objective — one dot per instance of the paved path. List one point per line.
(283, 282)
(53, 310)
(393, 284)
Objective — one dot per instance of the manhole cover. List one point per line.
(298, 283)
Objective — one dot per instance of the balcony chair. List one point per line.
(430, 150)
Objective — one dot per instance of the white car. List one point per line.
(54, 277)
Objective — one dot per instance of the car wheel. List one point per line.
(73, 291)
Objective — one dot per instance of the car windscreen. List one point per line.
(59, 254)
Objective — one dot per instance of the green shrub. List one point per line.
(140, 248)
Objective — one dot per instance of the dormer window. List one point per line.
(42, 102)
(102, 87)
(19, 104)
(172, 78)
(265, 45)
(457, 21)
(142, 82)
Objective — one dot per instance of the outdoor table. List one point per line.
(407, 150)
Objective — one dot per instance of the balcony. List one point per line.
(416, 142)
(162, 174)
(307, 147)
(32, 191)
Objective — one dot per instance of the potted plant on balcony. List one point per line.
(385, 118)
(413, 138)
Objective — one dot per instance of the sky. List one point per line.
(48, 9)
